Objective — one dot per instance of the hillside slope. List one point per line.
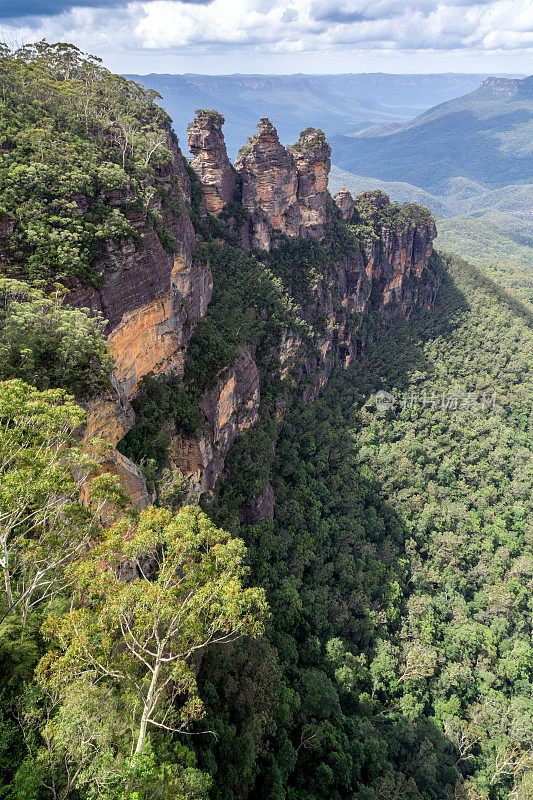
(485, 137)
(334, 103)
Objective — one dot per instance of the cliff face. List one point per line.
(153, 337)
(284, 191)
(132, 274)
(154, 299)
(345, 203)
(396, 246)
(109, 418)
(311, 155)
(210, 160)
(229, 409)
(269, 186)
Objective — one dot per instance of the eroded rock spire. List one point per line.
(210, 160)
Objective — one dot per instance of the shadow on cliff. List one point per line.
(336, 542)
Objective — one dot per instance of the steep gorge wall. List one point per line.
(153, 299)
(396, 257)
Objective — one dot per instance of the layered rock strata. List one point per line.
(153, 299)
(311, 155)
(284, 190)
(153, 337)
(132, 274)
(229, 409)
(396, 256)
(210, 160)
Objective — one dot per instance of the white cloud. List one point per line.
(293, 26)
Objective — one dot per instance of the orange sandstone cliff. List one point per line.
(154, 298)
(210, 160)
(284, 190)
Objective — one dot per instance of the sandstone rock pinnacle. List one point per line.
(344, 202)
(210, 161)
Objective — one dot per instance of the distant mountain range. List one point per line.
(482, 139)
(338, 104)
(462, 145)
(470, 160)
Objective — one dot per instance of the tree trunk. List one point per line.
(148, 707)
(4, 566)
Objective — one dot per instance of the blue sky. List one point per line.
(277, 36)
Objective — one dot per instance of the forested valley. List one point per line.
(398, 568)
(369, 635)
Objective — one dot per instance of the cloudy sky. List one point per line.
(277, 36)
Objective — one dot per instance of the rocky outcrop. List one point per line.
(230, 408)
(269, 186)
(501, 86)
(210, 160)
(284, 190)
(345, 203)
(311, 155)
(152, 299)
(343, 290)
(132, 273)
(109, 418)
(396, 242)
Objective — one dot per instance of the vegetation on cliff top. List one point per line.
(374, 212)
(77, 145)
(311, 140)
(49, 344)
(214, 116)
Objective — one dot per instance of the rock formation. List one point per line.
(132, 275)
(269, 186)
(284, 190)
(345, 203)
(398, 252)
(210, 161)
(230, 408)
(154, 299)
(109, 418)
(153, 337)
(311, 155)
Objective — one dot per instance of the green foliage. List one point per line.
(462, 481)
(250, 306)
(311, 139)
(166, 588)
(500, 244)
(43, 524)
(374, 212)
(73, 136)
(43, 529)
(162, 405)
(397, 568)
(214, 116)
(48, 344)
